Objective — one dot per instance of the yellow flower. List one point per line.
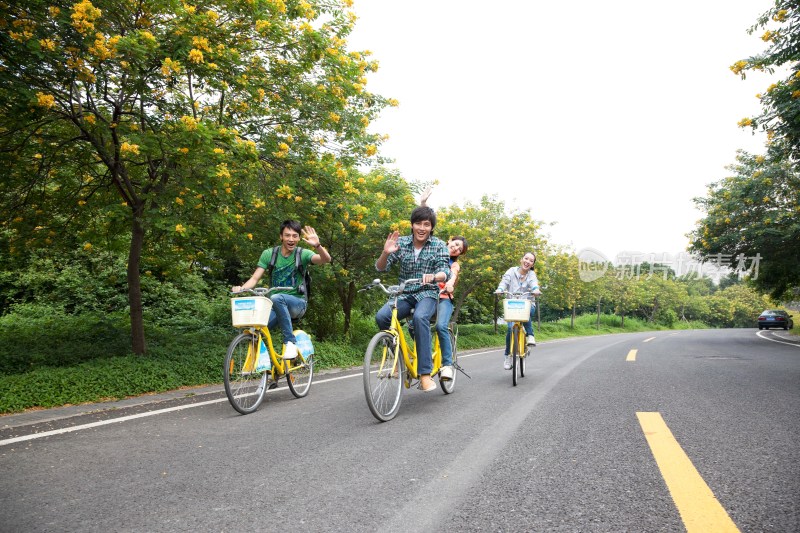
(180, 229)
(127, 147)
(767, 36)
(83, 16)
(45, 100)
(183, 150)
(222, 171)
(81, 202)
(179, 200)
(745, 122)
(189, 122)
(87, 246)
(298, 198)
(365, 121)
(195, 56)
(250, 236)
(796, 94)
(334, 117)
(219, 151)
(90, 119)
(169, 67)
(47, 44)
(392, 102)
(738, 67)
(780, 16)
(371, 150)
(201, 43)
(37, 156)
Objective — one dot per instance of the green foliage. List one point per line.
(176, 124)
(752, 218)
(753, 213)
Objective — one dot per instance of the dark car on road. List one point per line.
(775, 318)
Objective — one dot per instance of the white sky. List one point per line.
(605, 118)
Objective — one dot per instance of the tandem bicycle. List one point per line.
(252, 366)
(390, 362)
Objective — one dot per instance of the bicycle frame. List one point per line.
(410, 352)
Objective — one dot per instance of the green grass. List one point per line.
(60, 360)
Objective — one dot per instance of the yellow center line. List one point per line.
(631, 355)
(648, 340)
(697, 505)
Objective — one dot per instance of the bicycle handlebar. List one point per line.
(262, 291)
(394, 290)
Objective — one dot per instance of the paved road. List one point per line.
(569, 449)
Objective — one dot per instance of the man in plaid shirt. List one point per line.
(420, 255)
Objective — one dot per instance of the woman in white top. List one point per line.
(518, 280)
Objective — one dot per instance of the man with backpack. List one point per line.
(288, 267)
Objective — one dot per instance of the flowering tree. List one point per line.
(497, 240)
(175, 121)
(754, 211)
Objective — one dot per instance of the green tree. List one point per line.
(170, 120)
(752, 221)
(497, 239)
(755, 210)
(780, 116)
(564, 287)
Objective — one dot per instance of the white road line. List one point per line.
(761, 334)
(61, 431)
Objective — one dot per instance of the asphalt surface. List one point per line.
(562, 451)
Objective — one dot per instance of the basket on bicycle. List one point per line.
(250, 311)
(516, 310)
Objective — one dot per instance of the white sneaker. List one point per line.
(446, 372)
(289, 351)
(507, 363)
(531, 340)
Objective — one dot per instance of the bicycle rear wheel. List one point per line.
(383, 377)
(244, 386)
(299, 374)
(449, 385)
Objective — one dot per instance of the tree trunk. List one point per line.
(598, 312)
(572, 320)
(347, 296)
(138, 343)
(623, 319)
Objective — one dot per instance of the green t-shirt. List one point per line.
(285, 273)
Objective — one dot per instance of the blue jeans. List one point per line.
(442, 321)
(423, 311)
(285, 307)
(528, 330)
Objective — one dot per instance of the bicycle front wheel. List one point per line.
(449, 385)
(244, 386)
(514, 353)
(299, 374)
(383, 377)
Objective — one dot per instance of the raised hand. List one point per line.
(310, 236)
(391, 246)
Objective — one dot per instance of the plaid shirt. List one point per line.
(433, 258)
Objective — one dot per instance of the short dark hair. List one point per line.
(423, 213)
(291, 224)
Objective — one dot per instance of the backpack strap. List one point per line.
(272, 261)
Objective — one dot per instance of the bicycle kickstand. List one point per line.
(460, 369)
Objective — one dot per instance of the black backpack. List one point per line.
(305, 286)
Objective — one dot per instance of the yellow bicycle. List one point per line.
(391, 363)
(517, 311)
(252, 366)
